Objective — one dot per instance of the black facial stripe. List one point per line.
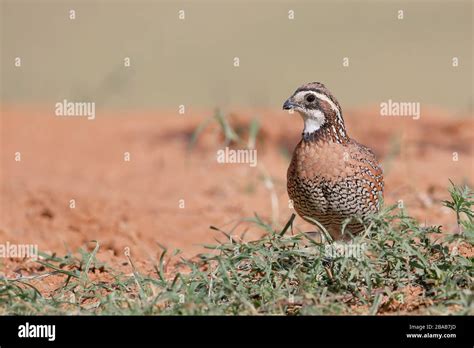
(314, 105)
(316, 90)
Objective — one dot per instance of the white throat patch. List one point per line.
(313, 121)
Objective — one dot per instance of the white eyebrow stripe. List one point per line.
(326, 99)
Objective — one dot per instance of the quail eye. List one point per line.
(310, 98)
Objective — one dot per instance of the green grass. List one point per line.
(280, 273)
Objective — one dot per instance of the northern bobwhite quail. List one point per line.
(331, 177)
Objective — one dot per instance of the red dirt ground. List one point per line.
(136, 204)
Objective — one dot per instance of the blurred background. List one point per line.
(190, 61)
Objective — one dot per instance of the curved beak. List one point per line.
(288, 105)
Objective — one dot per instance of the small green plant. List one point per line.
(462, 200)
(229, 133)
(233, 135)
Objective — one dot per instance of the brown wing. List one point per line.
(370, 170)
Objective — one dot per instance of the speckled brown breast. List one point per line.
(331, 181)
